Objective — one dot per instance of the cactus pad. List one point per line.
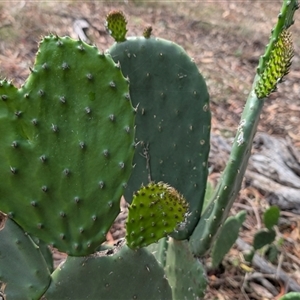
(226, 237)
(156, 210)
(118, 274)
(66, 150)
(172, 121)
(159, 250)
(185, 273)
(23, 270)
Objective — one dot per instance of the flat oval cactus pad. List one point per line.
(156, 210)
(66, 145)
(172, 121)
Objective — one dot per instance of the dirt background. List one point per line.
(225, 38)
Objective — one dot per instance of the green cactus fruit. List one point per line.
(185, 273)
(66, 150)
(23, 270)
(116, 25)
(227, 237)
(156, 210)
(113, 274)
(172, 121)
(277, 66)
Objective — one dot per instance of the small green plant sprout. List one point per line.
(266, 236)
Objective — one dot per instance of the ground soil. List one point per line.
(226, 39)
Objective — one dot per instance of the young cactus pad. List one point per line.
(66, 150)
(156, 210)
(172, 121)
(116, 25)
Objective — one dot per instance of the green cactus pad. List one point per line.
(271, 216)
(263, 237)
(185, 273)
(227, 237)
(66, 150)
(23, 270)
(172, 122)
(46, 253)
(116, 25)
(159, 250)
(156, 210)
(126, 274)
(277, 66)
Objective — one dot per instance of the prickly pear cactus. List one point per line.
(172, 122)
(66, 150)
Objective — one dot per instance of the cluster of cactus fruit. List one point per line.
(88, 127)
